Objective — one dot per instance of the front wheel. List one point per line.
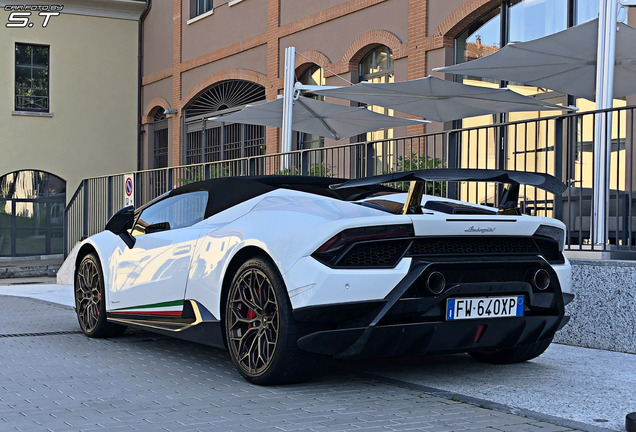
(260, 330)
(90, 303)
(512, 355)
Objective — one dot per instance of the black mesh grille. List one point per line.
(374, 254)
(387, 253)
(473, 246)
(471, 273)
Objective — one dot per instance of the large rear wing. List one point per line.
(510, 197)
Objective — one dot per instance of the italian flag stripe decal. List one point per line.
(172, 308)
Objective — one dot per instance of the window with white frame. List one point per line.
(199, 7)
(31, 77)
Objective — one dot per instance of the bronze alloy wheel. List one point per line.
(253, 321)
(260, 331)
(90, 302)
(88, 296)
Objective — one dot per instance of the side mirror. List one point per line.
(120, 223)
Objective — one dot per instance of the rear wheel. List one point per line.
(513, 355)
(90, 301)
(260, 330)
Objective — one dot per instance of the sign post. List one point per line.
(288, 105)
(606, 57)
(129, 190)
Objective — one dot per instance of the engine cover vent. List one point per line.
(456, 208)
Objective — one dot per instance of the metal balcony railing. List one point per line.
(559, 145)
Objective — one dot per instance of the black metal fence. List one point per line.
(558, 145)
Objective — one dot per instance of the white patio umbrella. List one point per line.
(437, 99)
(318, 117)
(564, 61)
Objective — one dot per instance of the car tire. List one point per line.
(90, 303)
(512, 355)
(260, 331)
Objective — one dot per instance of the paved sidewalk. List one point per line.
(567, 388)
(54, 378)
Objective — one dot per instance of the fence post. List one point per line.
(370, 159)
(110, 196)
(251, 166)
(223, 138)
(65, 233)
(138, 196)
(502, 158)
(85, 215)
(558, 164)
(453, 142)
(304, 163)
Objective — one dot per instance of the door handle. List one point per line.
(181, 250)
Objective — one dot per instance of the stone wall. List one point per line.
(603, 312)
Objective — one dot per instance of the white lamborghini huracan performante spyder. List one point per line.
(284, 271)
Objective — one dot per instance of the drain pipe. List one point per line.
(140, 70)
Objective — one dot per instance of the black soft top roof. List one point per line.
(230, 191)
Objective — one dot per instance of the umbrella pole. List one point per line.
(603, 124)
(288, 103)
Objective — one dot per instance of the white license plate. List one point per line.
(484, 307)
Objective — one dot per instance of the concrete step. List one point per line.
(27, 267)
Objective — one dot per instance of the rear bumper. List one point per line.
(408, 321)
(432, 337)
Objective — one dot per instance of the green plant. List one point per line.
(315, 170)
(197, 173)
(191, 175)
(319, 170)
(287, 171)
(416, 162)
(218, 171)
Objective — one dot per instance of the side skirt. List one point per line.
(201, 327)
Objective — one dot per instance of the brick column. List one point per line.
(416, 51)
(272, 135)
(175, 157)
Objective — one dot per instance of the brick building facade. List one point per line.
(192, 46)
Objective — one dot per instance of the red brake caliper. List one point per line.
(250, 315)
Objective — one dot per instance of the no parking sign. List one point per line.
(129, 190)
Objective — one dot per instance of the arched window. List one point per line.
(377, 65)
(209, 141)
(313, 75)
(159, 139)
(31, 213)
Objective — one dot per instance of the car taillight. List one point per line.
(333, 249)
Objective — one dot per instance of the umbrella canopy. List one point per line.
(318, 117)
(437, 99)
(564, 61)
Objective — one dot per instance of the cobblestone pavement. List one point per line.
(54, 378)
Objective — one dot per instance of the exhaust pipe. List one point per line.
(435, 283)
(541, 279)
